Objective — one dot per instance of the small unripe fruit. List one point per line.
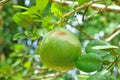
(59, 49)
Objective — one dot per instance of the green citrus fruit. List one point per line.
(59, 49)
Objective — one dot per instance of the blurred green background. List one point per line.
(19, 55)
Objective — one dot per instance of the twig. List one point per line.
(83, 16)
(88, 35)
(113, 34)
(94, 6)
(76, 10)
(112, 63)
(85, 33)
(109, 8)
(64, 2)
(3, 2)
(53, 76)
(100, 10)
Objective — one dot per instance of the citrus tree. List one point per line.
(59, 40)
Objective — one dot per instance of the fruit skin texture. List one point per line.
(59, 49)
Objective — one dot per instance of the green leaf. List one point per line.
(17, 76)
(49, 22)
(108, 59)
(82, 77)
(19, 36)
(113, 78)
(56, 10)
(117, 51)
(18, 47)
(23, 20)
(89, 62)
(80, 2)
(118, 64)
(89, 48)
(42, 32)
(41, 4)
(105, 47)
(34, 13)
(31, 34)
(6, 70)
(31, 10)
(27, 64)
(20, 7)
(96, 43)
(103, 75)
(108, 2)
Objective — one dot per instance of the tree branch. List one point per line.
(100, 10)
(53, 76)
(88, 35)
(113, 34)
(109, 8)
(94, 6)
(112, 63)
(3, 2)
(76, 10)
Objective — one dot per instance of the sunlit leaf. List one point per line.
(80, 2)
(27, 64)
(49, 22)
(41, 4)
(19, 7)
(55, 9)
(18, 47)
(23, 20)
(6, 70)
(31, 10)
(105, 47)
(17, 76)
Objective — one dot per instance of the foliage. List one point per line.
(22, 28)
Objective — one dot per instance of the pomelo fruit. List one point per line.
(59, 49)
